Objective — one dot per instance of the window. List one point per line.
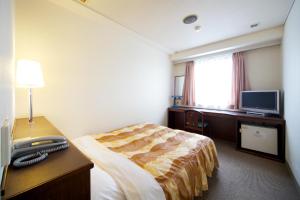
(213, 81)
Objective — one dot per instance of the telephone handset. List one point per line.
(29, 151)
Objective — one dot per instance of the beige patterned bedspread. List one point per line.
(180, 161)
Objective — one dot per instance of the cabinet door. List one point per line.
(259, 138)
(176, 119)
(222, 127)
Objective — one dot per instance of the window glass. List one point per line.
(213, 81)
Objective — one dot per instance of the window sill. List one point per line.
(208, 108)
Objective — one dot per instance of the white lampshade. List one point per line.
(29, 74)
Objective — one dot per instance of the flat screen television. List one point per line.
(265, 102)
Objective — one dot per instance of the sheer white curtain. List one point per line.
(213, 81)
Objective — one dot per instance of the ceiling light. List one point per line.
(197, 28)
(254, 25)
(190, 19)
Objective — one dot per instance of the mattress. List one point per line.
(179, 161)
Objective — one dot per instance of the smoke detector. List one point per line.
(190, 19)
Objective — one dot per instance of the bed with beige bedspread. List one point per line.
(179, 161)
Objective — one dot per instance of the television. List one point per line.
(260, 102)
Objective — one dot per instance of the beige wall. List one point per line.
(179, 69)
(291, 85)
(264, 68)
(6, 64)
(267, 37)
(98, 75)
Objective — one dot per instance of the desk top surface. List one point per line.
(225, 112)
(58, 164)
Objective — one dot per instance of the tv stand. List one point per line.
(226, 125)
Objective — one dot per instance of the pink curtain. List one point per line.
(239, 78)
(189, 85)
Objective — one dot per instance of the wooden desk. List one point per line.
(63, 175)
(222, 124)
(226, 125)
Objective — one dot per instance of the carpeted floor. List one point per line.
(243, 176)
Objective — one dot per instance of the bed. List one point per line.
(148, 161)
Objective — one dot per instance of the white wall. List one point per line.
(99, 76)
(291, 85)
(6, 64)
(263, 68)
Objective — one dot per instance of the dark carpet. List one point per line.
(243, 176)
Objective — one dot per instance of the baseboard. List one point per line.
(294, 179)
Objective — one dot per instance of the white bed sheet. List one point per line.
(103, 186)
(116, 177)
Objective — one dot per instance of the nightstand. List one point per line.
(63, 175)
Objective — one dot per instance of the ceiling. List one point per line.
(161, 20)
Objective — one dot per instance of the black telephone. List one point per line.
(29, 151)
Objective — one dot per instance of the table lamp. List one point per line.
(29, 75)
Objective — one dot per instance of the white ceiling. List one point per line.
(161, 20)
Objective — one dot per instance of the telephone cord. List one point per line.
(37, 157)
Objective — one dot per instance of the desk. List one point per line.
(226, 125)
(63, 175)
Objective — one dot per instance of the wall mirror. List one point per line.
(178, 85)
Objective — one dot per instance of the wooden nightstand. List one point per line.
(63, 175)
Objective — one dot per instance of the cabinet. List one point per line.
(63, 175)
(176, 119)
(259, 138)
(265, 136)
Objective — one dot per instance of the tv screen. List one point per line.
(260, 101)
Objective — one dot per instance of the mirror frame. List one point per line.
(175, 83)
